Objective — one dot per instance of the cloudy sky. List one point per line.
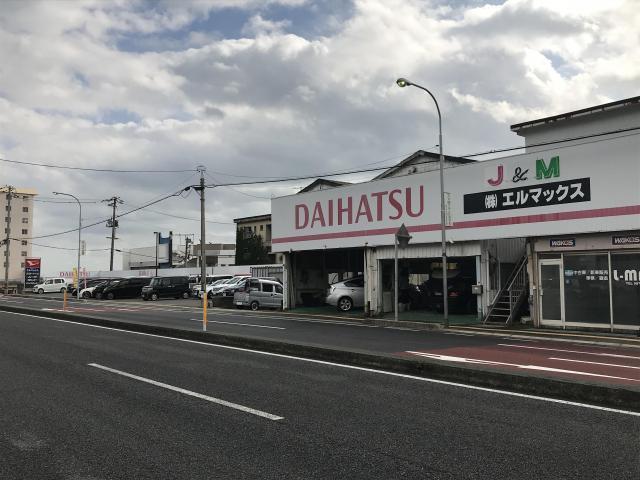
(253, 89)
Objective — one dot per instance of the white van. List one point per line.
(51, 285)
(259, 293)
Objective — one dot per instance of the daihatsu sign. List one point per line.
(575, 189)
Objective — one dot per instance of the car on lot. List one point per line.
(84, 283)
(347, 294)
(51, 285)
(229, 288)
(98, 289)
(212, 280)
(259, 293)
(126, 288)
(177, 287)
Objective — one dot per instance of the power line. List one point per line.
(58, 248)
(87, 169)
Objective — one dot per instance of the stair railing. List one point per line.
(513, 289)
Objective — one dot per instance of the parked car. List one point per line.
(259, 293)
(211, 280)
(461, 299)
(98, 289)
(126, 288)
(347, 294)
(84, 283)
(51, 285)
(177, 287)
(230, 287)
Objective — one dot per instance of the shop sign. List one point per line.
(555, 193)
(629, 277)
(562, 242)
(31, 272)
(521, 173)
(590, 275)
(625, 240)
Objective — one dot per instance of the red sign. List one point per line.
(32, 263)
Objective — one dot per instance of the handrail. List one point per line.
(517, 278)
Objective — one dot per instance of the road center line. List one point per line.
(241, 324)
(349, 367)
(595, 363)
(615, 355)
(218, 401)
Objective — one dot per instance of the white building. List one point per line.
(555, 228)
(21, 225)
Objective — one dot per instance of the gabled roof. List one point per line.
(323, 181)
(430, 157)
(576, 113)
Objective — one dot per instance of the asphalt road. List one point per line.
(78, 401)
(597, 364)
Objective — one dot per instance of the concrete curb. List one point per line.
(614, 397)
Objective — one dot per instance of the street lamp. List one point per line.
(157, 234)
(401, 239)
(403, 82)
(79, 243)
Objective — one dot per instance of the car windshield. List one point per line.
(155, 281)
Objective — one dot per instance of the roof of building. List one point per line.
(576, 113)
(323, 181)
(21, 191)
(421, 153)
(255, 218)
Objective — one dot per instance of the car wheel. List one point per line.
(185, 295)
(86, 295)
(154, 296)
(62, 290)
(255, 305)
(110, 296)
(345, 304)
(40, 291)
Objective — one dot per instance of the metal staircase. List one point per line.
(508, 302)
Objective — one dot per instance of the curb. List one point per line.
(613, 397)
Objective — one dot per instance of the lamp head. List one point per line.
(403, 82)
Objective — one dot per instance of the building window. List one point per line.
(6, 219)
(25, 197)
(25, 220)
(25, 231)
(23, 253)
(24, 242)
(25, 209)
(21, 264)
(261, 228)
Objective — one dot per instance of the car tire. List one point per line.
(154, 297)
(110, 296)
(254, 305)
(86, 295)
(185, 295)
(40, 291)
(62, 290)
(345, 304)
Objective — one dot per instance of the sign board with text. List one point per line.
(592, 187)
(31, 272)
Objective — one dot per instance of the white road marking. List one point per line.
(218, 401)
(349, 367)
(615, 355)
(594, 363)
(477, 361)
(402, 328)
(241, 324)
(459, 334)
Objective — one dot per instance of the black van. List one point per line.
(176, 287)
(126, 288)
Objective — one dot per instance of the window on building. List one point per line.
(21, 264)
(24, 242)
(25, 231)
(25, 220)
(261, 228)
(25, 209)
(25, 197)
(6, 219)
(23, 253)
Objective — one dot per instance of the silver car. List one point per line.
(347, 294)
(259, 293)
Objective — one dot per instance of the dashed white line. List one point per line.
(218, 401)
(594, 363)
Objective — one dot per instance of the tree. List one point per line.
(250, 249)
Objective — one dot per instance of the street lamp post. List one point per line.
(403, 82)
(79, 242)
(157, 234)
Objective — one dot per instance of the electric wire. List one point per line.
(88, 169)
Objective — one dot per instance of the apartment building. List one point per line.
(19, 222)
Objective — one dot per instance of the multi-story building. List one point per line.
(18, 226)
(257, 226)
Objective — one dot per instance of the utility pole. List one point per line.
(10, 189)
(203, 263)
(113, 223)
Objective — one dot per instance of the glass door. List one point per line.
(551, 292)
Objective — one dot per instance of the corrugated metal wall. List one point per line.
(430, 250)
